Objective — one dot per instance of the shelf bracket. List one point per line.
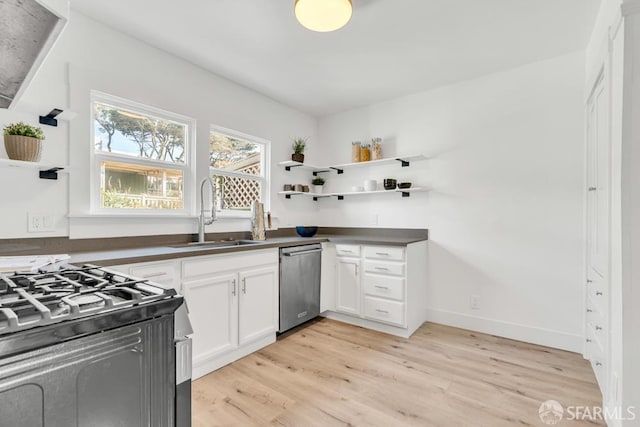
(288, 168)
(50, 173)
(340, 171)
(315, 173)
(406, 194)
(50, 119)
(287, 196)
(404, 163)
(340, 197)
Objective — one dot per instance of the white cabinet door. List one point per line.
(213, 310)
(258, 315)
(598, 171)
(348, 285)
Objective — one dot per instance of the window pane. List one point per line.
(235, 154)
(140, 187)
(236, 194)
(122, 131)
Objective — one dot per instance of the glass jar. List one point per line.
(376, 149)
(365, 153)
(355, 152)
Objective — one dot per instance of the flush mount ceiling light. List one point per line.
(323, 15)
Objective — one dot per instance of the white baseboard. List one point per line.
(368, 324)
(207, 366)
(514, 331)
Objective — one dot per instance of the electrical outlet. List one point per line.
(475, 302)
(38, 223)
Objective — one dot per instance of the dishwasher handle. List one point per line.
(302, 252)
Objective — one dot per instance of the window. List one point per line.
(239, 167)
(141, 158)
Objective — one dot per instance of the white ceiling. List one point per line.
(390, 48)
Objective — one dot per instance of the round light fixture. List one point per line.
(323, 15)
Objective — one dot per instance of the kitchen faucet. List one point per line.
(203, 211)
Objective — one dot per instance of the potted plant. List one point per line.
(298, 146)
(23, 142)
(317, 185)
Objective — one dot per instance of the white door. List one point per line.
(258, 292)
(213, 311)
(348, 285)
(598, 172)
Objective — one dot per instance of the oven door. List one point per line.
(121, 377)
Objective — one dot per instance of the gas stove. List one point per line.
(30, 300)
(91, 346)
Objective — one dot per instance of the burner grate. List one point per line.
(33, 299)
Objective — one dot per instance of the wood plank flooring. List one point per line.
(333, 374)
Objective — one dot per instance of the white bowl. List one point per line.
(370, 185)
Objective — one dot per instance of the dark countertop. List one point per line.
(158, 253)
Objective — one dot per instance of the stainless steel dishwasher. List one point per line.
(299, 285)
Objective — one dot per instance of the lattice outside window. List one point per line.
(239, 166)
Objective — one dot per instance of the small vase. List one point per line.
(297, 157)
(317, 189)
(23, 148)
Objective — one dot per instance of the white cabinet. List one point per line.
(213, 311)
(378, 287)
(598, 286)
(232, 300)
(348, 285)
(257, 317)
(233, 305)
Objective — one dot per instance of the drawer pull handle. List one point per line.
(382, 268)
(233, 290)
(589, 281)
(598, 328)
(588, 340)
(344, 250)
(380, 287)
(589, 310)
(382, 253)
(592, 188)
(152, 275)
(599, 293)
(382, 311)
(244, 285)
(598, 363)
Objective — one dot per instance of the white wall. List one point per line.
(89, 56)
(505, 210)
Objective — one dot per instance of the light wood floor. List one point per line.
(334, 374)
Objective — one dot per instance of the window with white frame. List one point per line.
(239, 167)
(141, 158)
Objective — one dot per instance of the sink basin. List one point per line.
(217, 244)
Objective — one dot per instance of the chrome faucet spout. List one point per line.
(203, 212)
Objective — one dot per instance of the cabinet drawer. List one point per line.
(598, 296)
(234, 261)
(348, 250)
(384, 310)
(384, 286)
(381, 267)
(384, 252)
(165, 274)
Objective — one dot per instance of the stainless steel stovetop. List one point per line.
(30, 300)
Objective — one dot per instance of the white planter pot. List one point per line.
(317, 189)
